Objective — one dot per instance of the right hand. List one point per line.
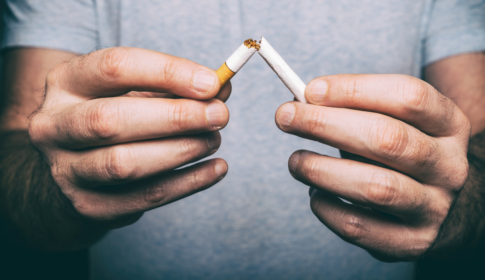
(113, 144)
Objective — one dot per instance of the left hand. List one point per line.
(408, 148)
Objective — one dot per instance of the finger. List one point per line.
(403, 97)
(370, 229)
(107, 121)
(151, 94)
(151, 193)
(347, 155)
(371, 135)
(225, 92)
(366, 185)
(116, 71)
(133, 161)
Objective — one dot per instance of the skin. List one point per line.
(112, 132)
(404, 152)
(112, 148)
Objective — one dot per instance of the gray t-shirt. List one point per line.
(256, 223)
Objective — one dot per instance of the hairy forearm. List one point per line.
(464, 227)
(33, 210)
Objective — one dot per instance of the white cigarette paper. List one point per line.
(237, 60)
(284, 72)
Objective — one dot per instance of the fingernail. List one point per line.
(213, 141)
(204, 80)
(293, 162)
(285, 115)
(215, 114)
(221, 170)
(316, 91)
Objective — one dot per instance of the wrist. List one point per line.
(463, 230)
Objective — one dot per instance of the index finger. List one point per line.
(116, 71)
(403, 97)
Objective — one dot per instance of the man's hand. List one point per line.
(405, 159)
(113, 139)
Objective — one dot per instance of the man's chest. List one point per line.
(349, 36)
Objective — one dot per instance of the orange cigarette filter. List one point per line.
(225, 74)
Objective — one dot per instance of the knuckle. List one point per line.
(169, 73)
(37, 129)
(315, 121)
(382, 189)
(311, 168)
(467, 126)
(178, 117)
(112, 63)
(156, 194)
(57, 175)
(352, 227)
(464, 126)
(86, 208)
(416, 94)
(353, 89)
(391, 138)
(63, 177)
(119, 164)
(62, 173)
(187, 148)
(54, 76)
(438, 208)
(422, 240)
(425, 153)
(460, 175)
(102, 120)
(196, 181)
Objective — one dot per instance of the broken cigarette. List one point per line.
(237, 60)
(281, 68)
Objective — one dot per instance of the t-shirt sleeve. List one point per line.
(68, 25)
(455, 26)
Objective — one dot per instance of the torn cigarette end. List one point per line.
(250, 43)
(237, 60)
(284, 72)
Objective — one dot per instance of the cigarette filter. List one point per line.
(237, 60)
(284, 72)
